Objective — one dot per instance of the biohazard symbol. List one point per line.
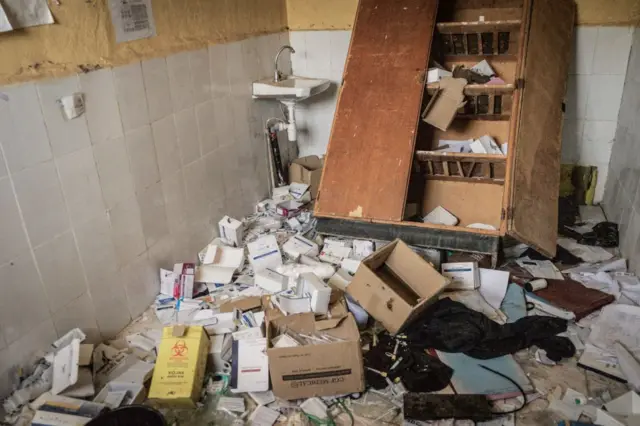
(180, 348)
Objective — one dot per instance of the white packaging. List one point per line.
(337, 251)
(263, 416)
(281, 194)
(340, 280)
(362, 249)
(262, 398)
(219, 264)
(434, 75)
(231, 231)
(485, 145)
(441, 216)
(329, 258)
(463, 275)
(264, 253)
(297, 190)
(297, 246)
(134, 393)
(250, 372)
(271, 281)
(350, 265)
(319, 291)
(167, 281)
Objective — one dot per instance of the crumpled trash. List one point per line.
(604, 234)
(450, 326)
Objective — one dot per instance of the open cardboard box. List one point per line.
(316, 370)
(395, 285)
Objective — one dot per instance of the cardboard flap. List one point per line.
(444, 104)
(310, 162)
(242, 303)
(379, 257)
(328, 323)
(418, 274)
(346, 328)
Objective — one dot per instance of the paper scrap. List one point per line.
(263, 416)
(25, 13)
(617, 323)
(493, 286)
(132, 19)
(589, 254)
(541, 268)
(235, 404)
(5, 25)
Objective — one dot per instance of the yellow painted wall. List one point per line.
(339, 14)
(83, 36)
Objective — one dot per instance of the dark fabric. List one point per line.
(418, 371)
(604, 234)
(450, 326)
(563, 256)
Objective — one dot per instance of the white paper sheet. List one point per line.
(540, 268)
(586, 253)
(132, 19)
(493, 286)
(5, 25)
(617, 323)
(25, 13)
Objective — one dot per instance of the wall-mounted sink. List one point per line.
(291, 88)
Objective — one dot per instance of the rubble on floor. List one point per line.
(277, 324)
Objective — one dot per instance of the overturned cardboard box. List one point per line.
(445, 103)
(316, 370)
(307, 170)
(395, 285)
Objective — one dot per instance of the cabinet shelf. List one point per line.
(479, 26)
(478, 89)
(454, 166)
(499, 38)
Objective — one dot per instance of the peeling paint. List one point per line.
(356, 213)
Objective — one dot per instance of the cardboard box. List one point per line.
(316, 370)
(271, 281)
(395, 285)
(307, 170)
(264, 253)
(231, 231)
(319, 291)
(444, 104)
(250, 366)
(180, 367)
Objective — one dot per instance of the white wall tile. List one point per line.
(23, 137)
(201, 75)
(571, 140)
(603, 171)
(180, 81)
(224, 121)
(96, 248)
(59, 265)
(578, 87)
(250, 59)
(36, 339)
(156, 84)
(152, 214)
(131, 96)
(596, 143)
(126, 231)
(140, 284)
(605, 95)
(13, 240)
(41, 202)
(318, 53)
(196, 187)
(110, 305)
(143, 162)
(206, 127)
(112, 164)
(219, 70)
(78, 313)
(298, 59)
(612, 50)
(188, 138)
(161, 254)
(584, 50)
(175, 199)
(214, 166)
(3, 168)
(103, 115)
(239, 77)
(23, 302)
(80, 185)
(166, 143)
(66, 136)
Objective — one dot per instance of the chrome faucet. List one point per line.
(277, 76)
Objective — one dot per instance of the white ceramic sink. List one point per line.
(290, 89)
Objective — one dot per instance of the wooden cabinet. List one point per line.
(381, 160)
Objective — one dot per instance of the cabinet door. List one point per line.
(533, 213)
(370, 153)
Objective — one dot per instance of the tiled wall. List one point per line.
(92, 207)
(594, 91)
(621, 198)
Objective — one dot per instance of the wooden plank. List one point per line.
(368, 163)
(478, 26)
(536, 171)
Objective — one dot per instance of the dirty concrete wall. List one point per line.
(92, 207)
(83, 36)
(622, 192)
(339, 14)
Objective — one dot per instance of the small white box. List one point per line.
(271, 281)
(264, 253)
(362, 249)
(250, 371)
(289, 209)
(340, 280)
(350, 265)
(135, 393)
(297, 246)
(281, 194)
(441, 216)
(231, 231)
(219, 264)
(297, 190)
(463, 275)
(434, 75)
(319, 291)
